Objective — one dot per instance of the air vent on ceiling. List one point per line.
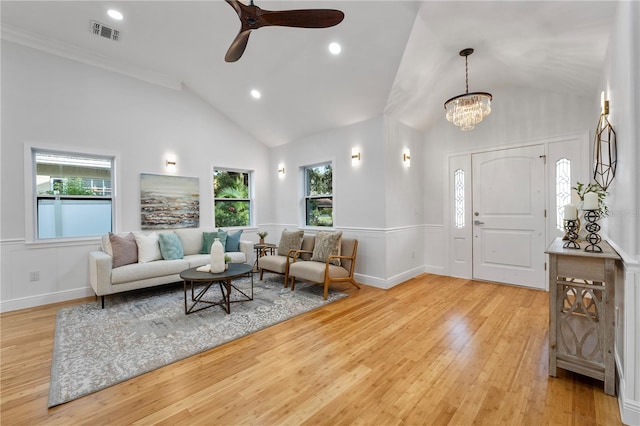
(103, 31)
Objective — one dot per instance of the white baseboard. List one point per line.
(45, 299)
(386, 284)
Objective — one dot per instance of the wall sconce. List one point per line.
(406, 157)
(605, 156)
(281, 170)
(355, 156)
(170, 163)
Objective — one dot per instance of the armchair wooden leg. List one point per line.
(352, 281)
(293, 283)
(261, 271)
(326, 289)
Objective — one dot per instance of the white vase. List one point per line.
(217, 257)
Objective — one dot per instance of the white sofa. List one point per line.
(106, 280)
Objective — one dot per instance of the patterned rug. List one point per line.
(143, 330)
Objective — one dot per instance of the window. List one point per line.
(73, 194)
(232, 204)
(458, 187)
(319, 195)
(563, 189)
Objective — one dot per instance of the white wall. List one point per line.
(376, 201)
(620, 84)
(51, 101)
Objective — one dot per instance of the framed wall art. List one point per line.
(169, 202)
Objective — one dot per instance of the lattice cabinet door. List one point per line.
(581, 312)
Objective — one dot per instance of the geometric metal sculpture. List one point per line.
(605, 154)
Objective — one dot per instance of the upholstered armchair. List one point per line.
(290, 242)
(334, 269)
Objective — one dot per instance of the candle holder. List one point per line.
(592, 216)
(571, 229)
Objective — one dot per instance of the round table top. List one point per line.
(234, 270)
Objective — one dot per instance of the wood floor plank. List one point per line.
(436, 350)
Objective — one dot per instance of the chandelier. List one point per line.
(465, 111)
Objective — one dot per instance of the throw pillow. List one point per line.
(170, 246)
(148, 247)
(233, 241)
(327, 244)
(125, 250)
(209, 237)
(290, 240)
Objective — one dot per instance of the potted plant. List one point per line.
(262, 235)
(227, 261)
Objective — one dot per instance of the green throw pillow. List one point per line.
(170, 246)
(209, 237)
(233, 241)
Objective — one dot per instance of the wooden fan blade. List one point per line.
(238, 46)
(309, 18)
(236, 6)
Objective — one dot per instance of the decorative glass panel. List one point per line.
(563, 189)
(458, 187)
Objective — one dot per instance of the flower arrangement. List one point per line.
(581, 189)
(227, 259)
(262, 234)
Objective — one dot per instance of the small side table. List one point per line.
(261, 250)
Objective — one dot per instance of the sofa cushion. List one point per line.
(233, 240)
(209, 237)
(327, 244)
(148, 247)
(191, 239)
(124, 249)
(290, 240)
(143, 271)
(170, 246)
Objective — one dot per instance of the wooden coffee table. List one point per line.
(194, 278)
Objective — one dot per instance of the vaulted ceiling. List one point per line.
(399, 58)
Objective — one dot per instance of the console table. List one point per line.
(581, 311)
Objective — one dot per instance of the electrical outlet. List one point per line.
(34, 276)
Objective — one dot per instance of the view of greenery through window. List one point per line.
(319, 195)
(231, 198)
(73, 194)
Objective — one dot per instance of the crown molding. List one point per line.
(76, 53)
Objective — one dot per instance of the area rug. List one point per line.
(143, 330)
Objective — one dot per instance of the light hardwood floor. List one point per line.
(434, 350)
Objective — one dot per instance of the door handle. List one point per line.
(477, 222)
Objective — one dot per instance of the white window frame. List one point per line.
(306, 196)
(30, 191)
(251, 198)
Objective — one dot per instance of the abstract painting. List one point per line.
(169, 202)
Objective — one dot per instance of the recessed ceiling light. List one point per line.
(255, 93)
(115, 14)
(335, 48)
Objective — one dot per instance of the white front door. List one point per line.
(509, 216)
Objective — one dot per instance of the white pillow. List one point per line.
(148, 247)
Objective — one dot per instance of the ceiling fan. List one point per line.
(252, 18)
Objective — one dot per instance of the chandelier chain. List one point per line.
(466, 66)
